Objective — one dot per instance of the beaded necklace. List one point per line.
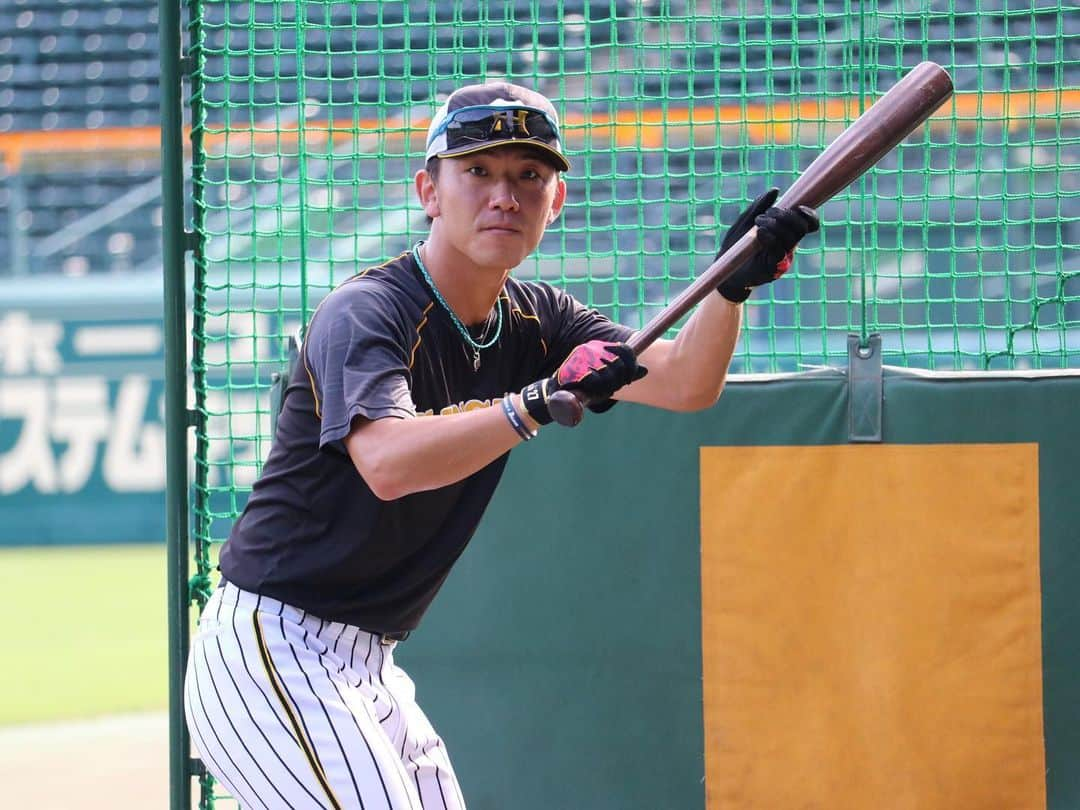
(476, 346)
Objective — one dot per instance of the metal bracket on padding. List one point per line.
(865, 391)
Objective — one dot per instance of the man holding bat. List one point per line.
(417, 377)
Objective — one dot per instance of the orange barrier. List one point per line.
(762, 122)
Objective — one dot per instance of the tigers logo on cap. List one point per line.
(484, 116)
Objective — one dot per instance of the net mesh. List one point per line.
(959, 249)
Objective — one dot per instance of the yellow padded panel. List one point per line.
(871, 627)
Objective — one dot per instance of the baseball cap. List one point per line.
(483, 116)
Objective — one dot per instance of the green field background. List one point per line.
(84, 632)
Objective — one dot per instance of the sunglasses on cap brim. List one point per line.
(471, 125)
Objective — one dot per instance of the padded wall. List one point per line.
(563, 661)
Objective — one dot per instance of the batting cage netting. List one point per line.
(959, 249)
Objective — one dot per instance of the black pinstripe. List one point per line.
(214, 732)
(393, 706)
(367, 658)
(196, 728)
(295, 707)
(416, 774)
(438, 777)
(371, 680)
(296, 718)
(360, 680)
(232, 725)
(416, 778)
(270, 706)
(367, 668)
(269, 703)
(457, 789)
(225, 710)
(356, 722)
(322, 705)
(341, 632)
(363, 736)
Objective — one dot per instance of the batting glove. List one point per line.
(596, 369)
(779, 231)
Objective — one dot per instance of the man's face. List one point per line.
(493, 206)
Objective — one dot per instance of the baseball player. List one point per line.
(416, 379)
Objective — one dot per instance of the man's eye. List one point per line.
(477, 170)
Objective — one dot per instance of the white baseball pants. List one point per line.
(290, 711)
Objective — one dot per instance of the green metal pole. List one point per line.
(174, 243)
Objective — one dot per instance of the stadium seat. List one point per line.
(57, 196)
(93, 64)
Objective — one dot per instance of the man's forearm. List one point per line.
(397, 457)
(688, 373)
(704, 348)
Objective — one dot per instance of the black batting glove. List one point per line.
(596, 369)
(779, 231)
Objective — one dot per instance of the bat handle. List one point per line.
(566, 408)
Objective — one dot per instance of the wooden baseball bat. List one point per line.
(866, 140)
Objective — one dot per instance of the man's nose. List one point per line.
(503, 197)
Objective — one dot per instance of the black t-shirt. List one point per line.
(313, 534)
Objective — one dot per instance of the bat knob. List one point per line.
(565, 408)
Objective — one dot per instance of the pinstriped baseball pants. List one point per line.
(290, 711)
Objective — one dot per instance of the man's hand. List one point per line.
(779, 231)
(596, 369)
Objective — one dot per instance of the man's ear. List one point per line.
(427, 193)
(557, 203)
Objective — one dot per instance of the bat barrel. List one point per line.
(886, 123)
(708, 281)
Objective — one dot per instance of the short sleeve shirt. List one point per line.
(380, 346)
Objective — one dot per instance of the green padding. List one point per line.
(562, 661)
(1045, 411)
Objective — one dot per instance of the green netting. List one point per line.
(960, 249)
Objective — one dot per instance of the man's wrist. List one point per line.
(533, 400)
(513, 416)
(734, 297)
(519, 406)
